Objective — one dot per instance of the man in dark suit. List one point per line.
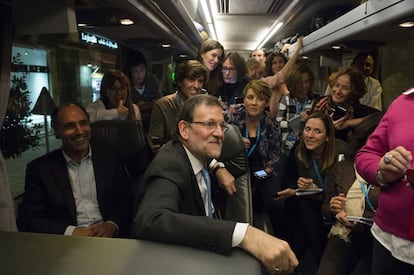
(175, 206)
(76, 190)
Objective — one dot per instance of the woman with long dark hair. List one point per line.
(211, 54)
(314, 156)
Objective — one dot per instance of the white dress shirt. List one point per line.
(240, 228)
(82, 181)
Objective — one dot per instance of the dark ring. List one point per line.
(388, 158)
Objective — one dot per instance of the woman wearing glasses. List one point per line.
(261, 136)
(234, 70)
(115, 99)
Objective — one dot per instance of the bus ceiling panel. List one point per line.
(371, 24)
(152, 26)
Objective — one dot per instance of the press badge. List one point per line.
(290, 141)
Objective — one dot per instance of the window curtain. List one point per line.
(7, 213)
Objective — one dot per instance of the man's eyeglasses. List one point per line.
(228, 69)
(212, 125)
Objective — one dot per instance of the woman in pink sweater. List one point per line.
(384, 161)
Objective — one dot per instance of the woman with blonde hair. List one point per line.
(261, 135)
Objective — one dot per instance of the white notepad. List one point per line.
(305, 192)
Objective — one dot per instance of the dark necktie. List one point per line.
(207, 180)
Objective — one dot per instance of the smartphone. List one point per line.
(338, 112)
(261, 174)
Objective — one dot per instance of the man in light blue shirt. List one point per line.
(76, 190)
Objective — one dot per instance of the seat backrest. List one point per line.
(128, 139)
(239, 205)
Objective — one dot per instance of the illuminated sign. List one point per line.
(96, 39)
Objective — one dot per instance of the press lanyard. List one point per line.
(366, 191)
(298, 109)
(250, 151)
(323, 181)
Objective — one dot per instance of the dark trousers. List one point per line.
(383, 263)
(344, 258)
(263, 191)
(306, 233)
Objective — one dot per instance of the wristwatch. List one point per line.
(215, 165)
(380, 179)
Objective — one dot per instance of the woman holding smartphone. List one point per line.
(261, 135)
(342, 105)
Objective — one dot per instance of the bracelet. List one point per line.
(380, 179)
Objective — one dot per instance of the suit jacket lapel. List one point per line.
(100, 178)
(61, 176)
(194, 184)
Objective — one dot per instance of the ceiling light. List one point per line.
(206, 11)
(336, 47)
(126, 21)
(212, 31)
(209, 19)
(273, 29)
(276, 25)
(165, 45)
(406, 24)
(82, 25)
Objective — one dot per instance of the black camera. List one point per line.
(338, 112)
(157, 141)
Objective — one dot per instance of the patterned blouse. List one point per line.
(288, 117)
(269, 140)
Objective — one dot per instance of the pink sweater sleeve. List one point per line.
(369, 156)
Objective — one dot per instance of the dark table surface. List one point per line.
(34, 253)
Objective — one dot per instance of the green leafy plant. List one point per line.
(18, 134)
